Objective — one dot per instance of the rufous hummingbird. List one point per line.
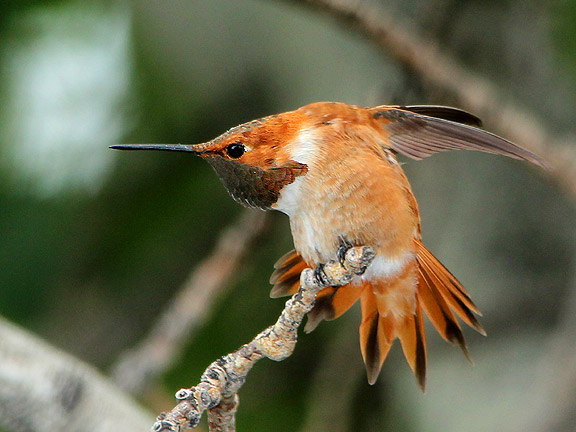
(332, 168)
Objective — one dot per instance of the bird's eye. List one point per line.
(235, 150)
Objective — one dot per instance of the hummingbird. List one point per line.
(333, 169)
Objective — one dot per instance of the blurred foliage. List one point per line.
(90, 267)
(563, 19)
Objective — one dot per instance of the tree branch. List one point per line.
(144, 363)
(440, 71)
(43, 389)
(219, 385)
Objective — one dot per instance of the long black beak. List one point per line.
(196, 148)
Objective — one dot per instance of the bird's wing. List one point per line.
(418, 136)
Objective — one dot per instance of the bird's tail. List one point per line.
(386, 316)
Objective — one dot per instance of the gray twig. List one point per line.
(219, 385)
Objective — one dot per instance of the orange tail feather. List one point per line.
(286, 276)
(373, 341)
(398, 313)
(413, 339)
(332, 302)
(447, 292)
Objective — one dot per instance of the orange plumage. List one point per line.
(332, 169)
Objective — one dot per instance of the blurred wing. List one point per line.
(419, 136)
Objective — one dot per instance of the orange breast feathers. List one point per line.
(354, 192)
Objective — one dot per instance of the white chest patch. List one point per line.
(290, 196)
(304, 150)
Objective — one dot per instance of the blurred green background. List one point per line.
(93, 242)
